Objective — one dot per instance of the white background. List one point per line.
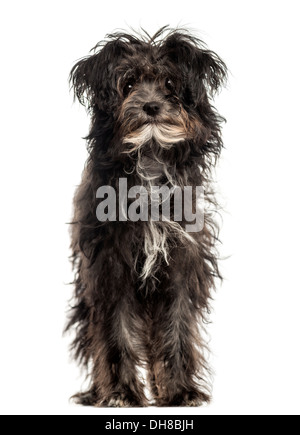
(256, 321)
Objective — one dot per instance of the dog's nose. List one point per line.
(152, 108)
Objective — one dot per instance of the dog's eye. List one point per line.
(170, 85)
(128, 87)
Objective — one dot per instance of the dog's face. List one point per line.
(155, 89)
(151, 110)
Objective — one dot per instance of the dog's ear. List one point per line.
(211, 70)
(83, 79)
(93, 78)
(203, 72)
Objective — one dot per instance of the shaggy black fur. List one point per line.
(143, 288)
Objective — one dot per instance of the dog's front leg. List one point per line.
(113, 335)
(177, 367)
(117, 334)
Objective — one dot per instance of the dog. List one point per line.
(143, 288)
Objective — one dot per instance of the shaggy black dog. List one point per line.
(143, 287)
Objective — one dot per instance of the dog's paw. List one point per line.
(192, 400)
(85, 399)
(120, 401)
(195, 403)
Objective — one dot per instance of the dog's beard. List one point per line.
(149, 144)
(166, 135)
